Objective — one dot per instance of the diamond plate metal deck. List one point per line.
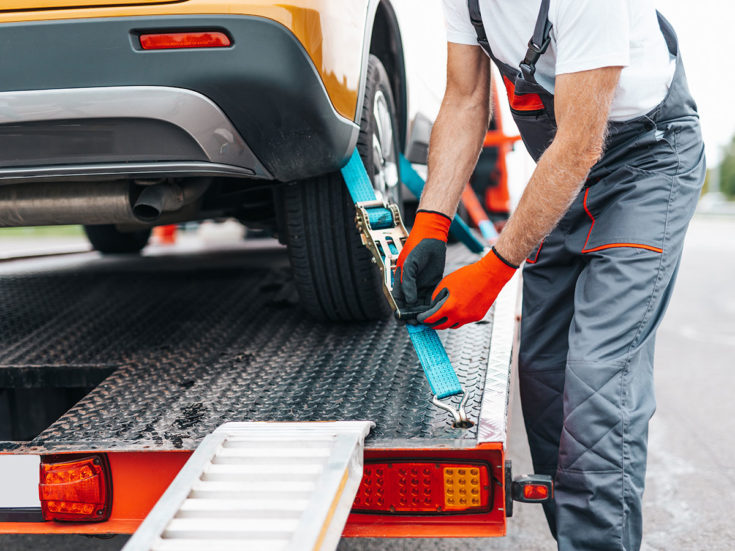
(191, 343)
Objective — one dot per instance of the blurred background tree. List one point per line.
(727, 170)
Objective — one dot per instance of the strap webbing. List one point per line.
(539, 42)
(476, 20)
(429, 349)
(543, 25)
(459, 230)
(434, 360)
(361, 190)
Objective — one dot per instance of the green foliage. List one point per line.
(727, 170)
(707, 180)
(41, 232)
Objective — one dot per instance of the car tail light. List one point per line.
(77, 490)
(171, 41)
(424, 488)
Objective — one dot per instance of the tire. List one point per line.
(107, 239)
(333, 271)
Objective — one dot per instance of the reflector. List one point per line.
(532, 488)
(535, 492)
(403, 487)
(75, 490)
(170, 41)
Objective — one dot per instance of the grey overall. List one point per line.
(594, 293)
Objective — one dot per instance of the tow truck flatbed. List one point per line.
(175, 345)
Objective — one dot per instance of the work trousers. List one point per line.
(594, 294)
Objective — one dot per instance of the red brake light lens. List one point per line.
(536, 492)
(172, 41)
(76, 490)
(424, 488)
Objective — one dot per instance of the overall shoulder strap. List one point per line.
(476, 20)
(539, 42)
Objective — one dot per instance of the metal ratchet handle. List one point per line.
(460, 415)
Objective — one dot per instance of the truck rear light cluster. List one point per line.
(403, 487)
(173, 41)
(77, 490)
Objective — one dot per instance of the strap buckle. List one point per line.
(384, 244)
(461, 421)
(533, 54)
(539, 50)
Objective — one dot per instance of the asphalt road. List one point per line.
(692, 439)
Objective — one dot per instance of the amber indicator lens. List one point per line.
(75, 490)
(172, 41)
(423, 488)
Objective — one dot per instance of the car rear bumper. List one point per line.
(92, 102)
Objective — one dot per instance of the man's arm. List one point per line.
(455, 145)
(459, 130)
(582, 104)
(582, 109)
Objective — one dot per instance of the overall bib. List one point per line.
(594, 293)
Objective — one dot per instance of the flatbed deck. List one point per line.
(177, 344)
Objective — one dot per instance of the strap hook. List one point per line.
(461, 421)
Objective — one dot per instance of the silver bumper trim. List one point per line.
(194, 113)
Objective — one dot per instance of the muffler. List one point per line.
(52, 204)
(91, 203)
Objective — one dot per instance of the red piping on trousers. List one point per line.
(611, 245)
(538, 252)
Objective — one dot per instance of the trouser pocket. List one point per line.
(629, 208)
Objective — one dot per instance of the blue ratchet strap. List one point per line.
(433, 358)
(429, 348)
(459, 230)
(361, 190)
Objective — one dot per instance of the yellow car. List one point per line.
(125, 114)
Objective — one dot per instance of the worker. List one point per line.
(601, 100)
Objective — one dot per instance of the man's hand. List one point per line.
(466, 295)
(420, 265)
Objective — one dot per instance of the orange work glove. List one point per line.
(420, 266)
(466, 295)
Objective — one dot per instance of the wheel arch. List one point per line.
(387, 45)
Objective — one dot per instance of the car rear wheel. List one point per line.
(333, 271)
(107, 239)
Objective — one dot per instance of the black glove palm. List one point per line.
(421, 272)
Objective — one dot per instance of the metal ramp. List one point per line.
(260, 487)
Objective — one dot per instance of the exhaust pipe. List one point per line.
(158, 198)
(91, 203)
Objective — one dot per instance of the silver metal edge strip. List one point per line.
(494, 408)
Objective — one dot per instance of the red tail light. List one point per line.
(534, 492)
(533, 488)
(76, 490)
(424, 488)
(171, 41)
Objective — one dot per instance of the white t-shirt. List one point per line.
(587, 34)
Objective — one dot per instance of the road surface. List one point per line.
(690, 477)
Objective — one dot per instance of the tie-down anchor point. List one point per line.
(461, 421)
